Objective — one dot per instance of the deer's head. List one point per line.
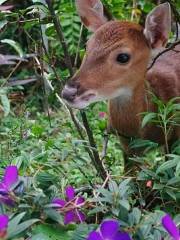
(117, 54)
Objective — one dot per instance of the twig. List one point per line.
(95, 157)
(21, 82)
(44, 42)
(78, 47)
(105, 145)
(175, 11)
(96, 160)
(171, 47)
(60, 36)
(11, 73)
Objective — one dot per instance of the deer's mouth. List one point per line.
(83, 101)
(78, 101)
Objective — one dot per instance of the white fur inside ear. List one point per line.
(98, 7)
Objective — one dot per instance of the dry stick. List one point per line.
(97, 161)
(172, 46)
(95, 158)
(42, 67)
(175, 11)
(105, 145)
(60, 35)
(78, 47)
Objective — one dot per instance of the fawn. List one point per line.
(115, 69)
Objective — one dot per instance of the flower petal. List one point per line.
(80, 216)
(79, 201)
(10, 176)
(74, 216)
(70, 193)
(3, 190)
(2, 187)
(121, 236)
(3, 222)
(94, 236)
(59, 201)
(109, 228)
(170, 227)
(7, 201)
(69, 217)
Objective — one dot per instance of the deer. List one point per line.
(115, 66)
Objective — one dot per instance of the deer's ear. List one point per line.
(91, 13)
(158, 25)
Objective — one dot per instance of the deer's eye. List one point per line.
(123, 58)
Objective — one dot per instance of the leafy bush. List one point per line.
(39, 139)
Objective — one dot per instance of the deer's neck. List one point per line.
(124, 114)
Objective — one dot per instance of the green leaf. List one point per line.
(81, 232)
(125, 204)
(15, 45)
(178, 168)
(5, 104)
(137, 215)
(167, 165)
(158, 186)
(157, 235)
(174, 181)
(3, 23)
(145, 229)
(12, 232)
(171, 193)
(139, 143)
(113, 187)
(54, 215)
(51, 232)
(134, 217)
(16, 220)
(39, 236)
(148, 118)
(124, 187)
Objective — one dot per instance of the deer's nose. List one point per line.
(69, 93)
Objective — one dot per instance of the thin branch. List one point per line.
(105, 145)
(12, 82)
(44, 42)
(78, 46)
(60, 36)
(95, 157)
(96, 160)
(175, 11)
(171, 47)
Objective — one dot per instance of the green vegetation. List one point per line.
(38, 136)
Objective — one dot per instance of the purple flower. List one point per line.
(170, 227)
(9, 179)
(109, 230)
(71, 206)
(3, 225)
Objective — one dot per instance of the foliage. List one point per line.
(38, 136)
